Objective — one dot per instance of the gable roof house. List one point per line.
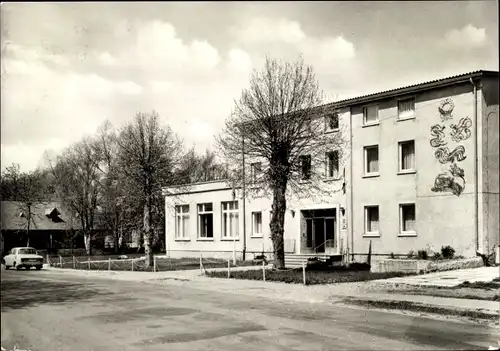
(52, 226)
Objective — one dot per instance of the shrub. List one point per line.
(411, 254)
(437, 256)
(422, 254)
(392, 255)
(359, 266)
(447, 251)
(315, 264)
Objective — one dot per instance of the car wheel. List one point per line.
(38, 268)
(27, 268)
(16, 266)
(7, 267)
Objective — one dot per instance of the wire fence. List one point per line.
(162, 263)
(159, 263)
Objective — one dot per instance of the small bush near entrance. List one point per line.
(437, 256)
(334, 275)
(422, 254)
(447, 251)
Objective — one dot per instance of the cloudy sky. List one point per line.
(68, 67)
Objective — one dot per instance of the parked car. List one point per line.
(26, 257)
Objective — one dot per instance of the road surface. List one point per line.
(47, 311)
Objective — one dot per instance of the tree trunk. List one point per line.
(148, 235)
(87, 241)
(277, 223)
(116, 233)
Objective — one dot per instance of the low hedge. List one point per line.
(339, 275)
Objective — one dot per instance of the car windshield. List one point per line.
(27, 251)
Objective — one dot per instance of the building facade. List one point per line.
(420, 172)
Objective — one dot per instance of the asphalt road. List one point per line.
(42, 310)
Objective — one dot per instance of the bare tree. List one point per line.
(111, 191)
(279, 125)
(77, 184)
(148, 154)
(195, 168)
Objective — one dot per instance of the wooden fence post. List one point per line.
(109, 264)
(304, 271)
(48, 260)
(154, 263)
(74, 263)
(88, 261)
(132, 265)
(264, 270)
(60, 261)
(228, 269)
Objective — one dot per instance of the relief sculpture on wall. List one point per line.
(437, 131)
(461, 131)
(445, 109)
(443, 154)
(453, 180)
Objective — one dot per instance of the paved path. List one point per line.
(450, 278)
(46, 310)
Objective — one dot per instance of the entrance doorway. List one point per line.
(320, 230)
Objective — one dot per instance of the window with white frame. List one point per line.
(255, 170)
(406, 108)
(230, 223)
(257, 223)
(332, 122)
(371, 220)
(205, 220)
(332, 164)
(371, 160)
(407, 156)
(407, 218)
(182, 221)
(305, 165)
(370, 114)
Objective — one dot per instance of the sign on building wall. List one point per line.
(344, 223)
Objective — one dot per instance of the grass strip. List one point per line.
(418, 307)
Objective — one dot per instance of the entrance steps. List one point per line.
(296, 260)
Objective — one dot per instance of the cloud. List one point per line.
(156, 49)
(160, 86)
(284, 38)
(45, 107)
(334, 58)
(30, 54)
(105, 58)
(270, 30)
(468, 36)
(129, 88)
(189, 83)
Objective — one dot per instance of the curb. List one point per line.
(407, 305)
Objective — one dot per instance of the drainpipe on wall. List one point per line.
(351, 188)
(244, 202)
(476, 169)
